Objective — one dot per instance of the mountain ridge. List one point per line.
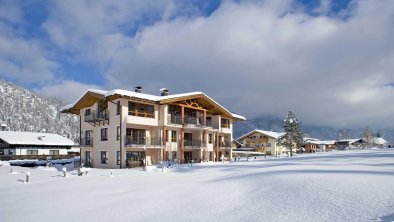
(24, 110)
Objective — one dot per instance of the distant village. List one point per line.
(124, 129)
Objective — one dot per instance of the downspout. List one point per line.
(121, 135)
(80, 135)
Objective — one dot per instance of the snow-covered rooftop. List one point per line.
(154, 98)
(272, 134)
(379, 141)
(322, 142)
(349, 140)
(32, 138)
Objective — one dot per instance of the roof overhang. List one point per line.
(87, 100)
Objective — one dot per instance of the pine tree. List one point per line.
(293, 133)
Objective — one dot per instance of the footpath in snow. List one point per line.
(334, 186)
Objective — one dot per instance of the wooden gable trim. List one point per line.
(204, 99)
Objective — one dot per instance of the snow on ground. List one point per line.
(353, 185)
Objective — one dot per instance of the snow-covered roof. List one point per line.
(32, 138)
(379, 141)
(322, 142)
(148, 97)
(349, 140)
(272, 134)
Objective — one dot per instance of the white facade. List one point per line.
(147, 129)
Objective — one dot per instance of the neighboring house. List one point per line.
(263, 141)
(349, 143)
(312, 145)
(379, 142)
(14, 145)
(122, 128)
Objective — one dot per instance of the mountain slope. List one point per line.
(22, 110)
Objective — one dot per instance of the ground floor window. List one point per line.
(188, 156)
(117, 157)
(87, 158)
(135, 159)
(104, 158)
(31, 152)
(11, 152)
(53, 152)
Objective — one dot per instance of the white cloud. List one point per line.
(22, 60)
(68, 90)
(257, 58)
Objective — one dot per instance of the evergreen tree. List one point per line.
(293, 133)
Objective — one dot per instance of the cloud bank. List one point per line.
(258, 58)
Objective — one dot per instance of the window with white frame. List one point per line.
(104, 134)
(53, 152)
(104, 157)
(31, 152)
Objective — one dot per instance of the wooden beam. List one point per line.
(183, 135)
(164, 143)
(188, 106)
(217, 146)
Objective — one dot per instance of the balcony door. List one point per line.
(188, 139)
(135, 136)
(88, 137)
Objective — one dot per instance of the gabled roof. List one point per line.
(271, 134)
(92, 95)
(350, 140)
(321, 142)
(379, 141)
(32, 138)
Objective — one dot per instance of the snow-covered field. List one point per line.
(335, 186)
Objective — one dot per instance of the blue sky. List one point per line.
(330, 61)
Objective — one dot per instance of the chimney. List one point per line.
(164, 92)
(138, 89)
(3, 127)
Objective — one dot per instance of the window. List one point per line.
(166, 136)
(118, 133)
(87, 112)
(104, 159)
(117, 157)
(210, 138)
(53, 152)
(11, 152)
(142, 110)
(225, 123)
(268, 144)
(135, 136)
(173, 136)
(209, 121)
(118, 108)
(31, 152)
(104, 134)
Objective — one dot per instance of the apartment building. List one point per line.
(121, 128)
